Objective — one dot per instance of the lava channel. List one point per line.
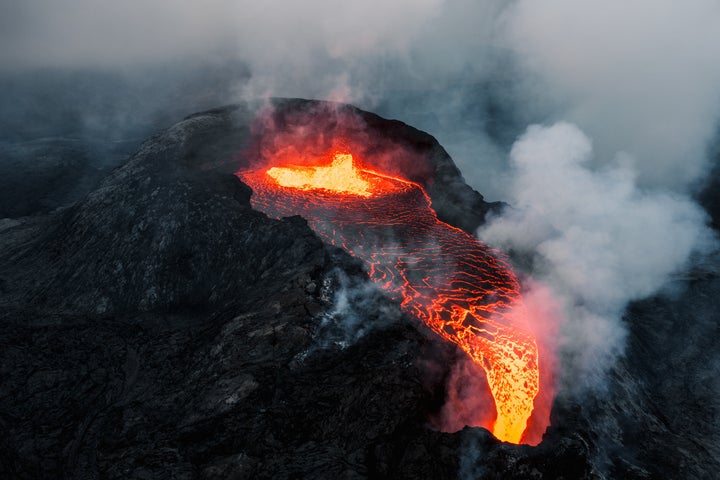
(438, 273)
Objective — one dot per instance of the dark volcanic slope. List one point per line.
(161, 328)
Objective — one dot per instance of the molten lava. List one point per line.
(438, 273)
(340, 177)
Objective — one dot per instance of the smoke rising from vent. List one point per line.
(357, 308)
(596, 238)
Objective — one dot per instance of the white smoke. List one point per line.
(639, 76)
(594, 236)
(358, 307)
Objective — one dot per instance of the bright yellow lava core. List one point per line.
(340, 176)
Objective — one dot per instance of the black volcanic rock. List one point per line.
(161, 234)
(161, 328)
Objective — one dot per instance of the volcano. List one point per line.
(163, 326)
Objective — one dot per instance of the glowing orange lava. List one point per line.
(439, 274)
(340, 176)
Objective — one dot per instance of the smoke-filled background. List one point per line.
(595, 120)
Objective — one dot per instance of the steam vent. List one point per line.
(288, 290)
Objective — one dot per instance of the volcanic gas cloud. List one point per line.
(444, 277)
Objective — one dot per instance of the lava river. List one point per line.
(441, 275)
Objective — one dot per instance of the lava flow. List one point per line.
(438, 273)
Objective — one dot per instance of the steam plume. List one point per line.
(638, 76)
(594, 236)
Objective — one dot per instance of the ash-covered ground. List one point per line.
(155, 326)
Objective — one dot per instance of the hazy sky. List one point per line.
(638, 76)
